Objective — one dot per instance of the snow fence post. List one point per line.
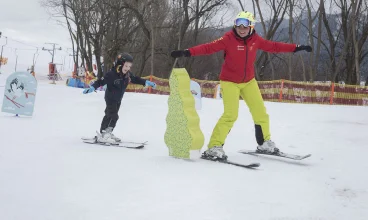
(183, 134)
(332, 92)
(281, 88)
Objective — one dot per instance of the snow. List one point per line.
(47, 173)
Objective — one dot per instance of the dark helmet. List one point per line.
(122, 58)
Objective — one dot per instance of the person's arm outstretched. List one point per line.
(202, 49)
(140, 81)
(99, 82)
(280, 47)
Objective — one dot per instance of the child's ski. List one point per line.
(126, 144)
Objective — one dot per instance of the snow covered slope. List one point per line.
(47, 173)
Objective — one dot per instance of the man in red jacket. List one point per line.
(240, 46)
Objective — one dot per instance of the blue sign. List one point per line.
(20, 94)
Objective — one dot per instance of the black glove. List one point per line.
(303, 47)
(180, 53)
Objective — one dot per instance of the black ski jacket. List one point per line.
(117, 84)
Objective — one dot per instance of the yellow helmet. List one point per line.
(246, 19)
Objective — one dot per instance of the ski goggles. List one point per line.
(242, 21)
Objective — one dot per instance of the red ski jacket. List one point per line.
(238, 66)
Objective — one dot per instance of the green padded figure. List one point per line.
(183, 133)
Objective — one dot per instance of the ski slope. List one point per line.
(47, 173)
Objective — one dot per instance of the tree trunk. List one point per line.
(310, 29)
(319, 40)
(291, 5)
(355, 41)
(278, 12)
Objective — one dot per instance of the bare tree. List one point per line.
(291, 32)
(201, 8)
(311, 20)
(319, 41)
(201, 24)
(243, 9)
(83, 22)
(297, 24)
(150, 29)
(354, 24)
(278, 10)
(356, 11)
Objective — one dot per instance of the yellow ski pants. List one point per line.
(252, 96)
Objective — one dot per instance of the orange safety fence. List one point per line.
(281, 91)
(314, 93)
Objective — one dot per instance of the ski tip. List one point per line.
(255, 165)
(88, 138)
(306, 156)
(297, 157)
(247, 151)
(131, 147)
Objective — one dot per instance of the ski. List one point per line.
(250, 165)
(126, 144)
(278, 154)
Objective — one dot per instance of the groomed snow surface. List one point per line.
(47, 173)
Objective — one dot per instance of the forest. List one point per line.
(150, 29)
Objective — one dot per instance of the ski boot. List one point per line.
(268, 147)
(215, 153)
(115, 138)
(106, 137)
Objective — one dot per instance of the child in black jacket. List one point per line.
(117, 80)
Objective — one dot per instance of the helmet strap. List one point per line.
(118, 68)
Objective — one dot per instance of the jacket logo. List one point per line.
(239, 47)
(251, 46)
(117, 82)
(217, 40)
